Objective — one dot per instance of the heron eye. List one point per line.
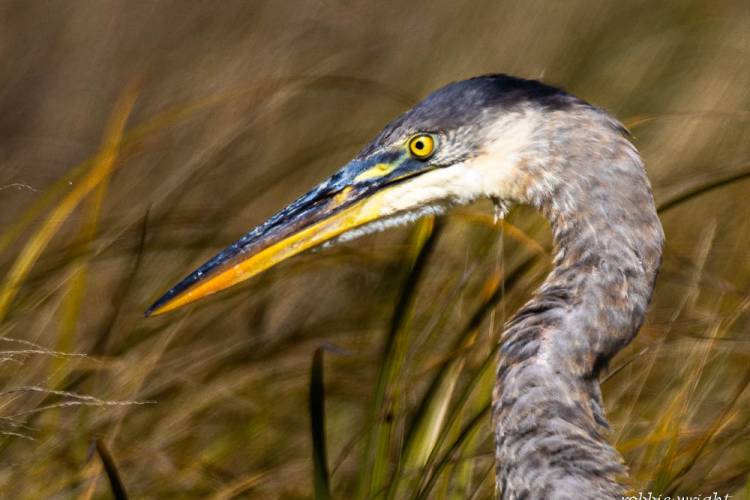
(422, 146)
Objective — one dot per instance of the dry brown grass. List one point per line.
(191, 122)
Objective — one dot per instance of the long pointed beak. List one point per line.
(347, 200)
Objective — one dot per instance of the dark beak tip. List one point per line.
(154, 307)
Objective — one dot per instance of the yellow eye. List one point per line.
(422, 146)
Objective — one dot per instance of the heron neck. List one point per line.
(548, 413)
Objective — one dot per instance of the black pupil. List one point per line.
(419, 145)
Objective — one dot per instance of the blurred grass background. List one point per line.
(138, 138)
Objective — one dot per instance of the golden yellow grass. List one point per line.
(111, 191)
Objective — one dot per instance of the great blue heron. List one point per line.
(517, 141)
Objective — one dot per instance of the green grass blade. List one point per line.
(317, 428)
(431, 467)
(430, 416)
(466, 432)
(376, 461)
(426, 427)
(483, 372)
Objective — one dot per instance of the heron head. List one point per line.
(463, 142)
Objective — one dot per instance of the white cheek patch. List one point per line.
(494, 173)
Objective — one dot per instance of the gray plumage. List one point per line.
(584, 175)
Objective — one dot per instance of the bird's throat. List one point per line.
(550, 426)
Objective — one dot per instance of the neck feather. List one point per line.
(548, 413)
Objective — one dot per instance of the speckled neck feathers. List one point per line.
(551, 432)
